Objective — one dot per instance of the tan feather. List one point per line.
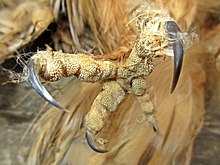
(179, 116)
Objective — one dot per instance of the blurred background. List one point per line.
(94, 26)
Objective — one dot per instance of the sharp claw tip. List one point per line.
(172, 89)
(173, 28)
(91, 143)
(155, 129)
(39, 88)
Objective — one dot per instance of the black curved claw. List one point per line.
(173, 30)
(91, 143)
(39, 88)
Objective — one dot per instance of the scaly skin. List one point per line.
(117, 79)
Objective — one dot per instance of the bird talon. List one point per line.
(91, 143)
(173, 30)
(39, 88)
(152, 122)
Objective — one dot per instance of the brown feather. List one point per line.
(179, 116)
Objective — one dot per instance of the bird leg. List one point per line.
(108, 99)
(138, 87)
(148, 109)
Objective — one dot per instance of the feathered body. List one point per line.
(101, 27)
